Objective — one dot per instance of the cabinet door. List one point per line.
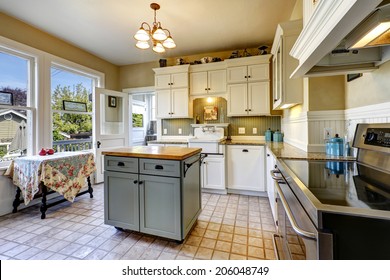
(258, 98)
(180, 103)
(213, 173)
(237, 74)
(179, 80)
(245, 168)
(198, 83)
(217, 81)
(163, 102)
(258, 72)
(162, 81)
(237, 100)
(121, 200)
(160, 206)
(278, 64)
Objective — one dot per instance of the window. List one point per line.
(71, 103)
(16, 106)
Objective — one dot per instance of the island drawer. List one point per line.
(170, 168)
(121, 164)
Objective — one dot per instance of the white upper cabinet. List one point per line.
(208, 79)
(172, 94)
(249, 73)
(248, 89)
(286, 92)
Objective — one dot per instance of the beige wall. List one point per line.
(16, 30)
(297, 12)
(327, 93)
(372, 88)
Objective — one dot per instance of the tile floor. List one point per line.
(229, 227)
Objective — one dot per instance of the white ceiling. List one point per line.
(106, 28)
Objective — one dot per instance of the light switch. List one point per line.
(180, 131)
(165, 131)
(241, 130)
(254, 130)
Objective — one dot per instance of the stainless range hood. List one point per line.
(330, 42)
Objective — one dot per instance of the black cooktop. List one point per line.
(344, 183)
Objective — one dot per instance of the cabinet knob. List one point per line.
(246, 110)
(135, 182)
(140, 182)
(249, 76)
(209, 88)
(246, 77)
(267, 155)
(249, 110)
(275, 100)
(205, 89)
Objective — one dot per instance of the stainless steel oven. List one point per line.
(297, 238)
(331, 209)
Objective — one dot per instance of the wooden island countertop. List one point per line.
(155, 152)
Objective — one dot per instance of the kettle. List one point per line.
(334, 146)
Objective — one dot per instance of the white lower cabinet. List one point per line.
(213, 173)
(271, 191)
(245, 168)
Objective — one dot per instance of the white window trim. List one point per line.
(41, 86)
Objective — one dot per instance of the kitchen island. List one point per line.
(154, 190)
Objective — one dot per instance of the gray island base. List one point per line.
(153, 190)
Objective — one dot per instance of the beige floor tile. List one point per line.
(237, 257)
(223, 246)
(268, 244)
(219, 255)
(240, 249)
(201, 224)
(241, 239)
(197, 231)
(211, 234)
(255, 233)
(224, 236)
(256, 252)
(193, 240)
(204, 253)
(255, 241)
(227, 228)
(270, 254)
(188, 250)
(241, 230)
(214, 226)
(208, 243)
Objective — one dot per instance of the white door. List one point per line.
(237, 100)
(217, 81)
(163, 102)
(111, 111)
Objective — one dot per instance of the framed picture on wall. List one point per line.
(210, 113)
(112, 101)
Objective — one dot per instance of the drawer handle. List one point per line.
(245, 151)
(121, 163)
(159, 167)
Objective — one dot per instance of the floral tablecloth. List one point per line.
(64, 172)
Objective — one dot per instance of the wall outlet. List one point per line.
(241, 130)
(254, 130)
(180, 131)
(165, 131)
(327, 133)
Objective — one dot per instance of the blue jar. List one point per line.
(268, 135)
(335, 146)
(277, 137)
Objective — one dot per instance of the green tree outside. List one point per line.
(70, 123)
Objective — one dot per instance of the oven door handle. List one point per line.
(275, 177)
(297, 229)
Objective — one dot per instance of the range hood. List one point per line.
(330, 42)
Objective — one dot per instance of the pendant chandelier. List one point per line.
(159, 37)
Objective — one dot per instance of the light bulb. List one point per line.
(158, 48)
